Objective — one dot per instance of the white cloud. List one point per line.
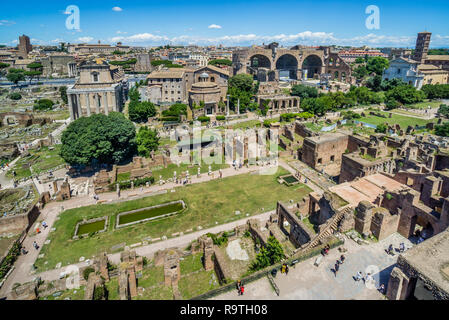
(121, 32)
(214, 26)
(117, 9)
(6, 23)
(85, 39)
(141, 37)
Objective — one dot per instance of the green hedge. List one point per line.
(127, 184)
(203, 119)
(169, 119)
(9, 260)
(221, 118)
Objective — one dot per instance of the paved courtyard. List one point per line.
(308, 282)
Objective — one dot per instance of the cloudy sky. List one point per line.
(227, 22)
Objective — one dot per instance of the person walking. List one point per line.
(342, 259)
(242, 290)
(358, 277)
(286, 270)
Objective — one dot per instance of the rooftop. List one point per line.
(366, 189)
(431, 259)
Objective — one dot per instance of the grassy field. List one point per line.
(403, 121)
(42, 160)
(197, 283)
(425, 105)
(208, 204)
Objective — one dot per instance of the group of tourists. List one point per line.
(338, 263)
(391, 250)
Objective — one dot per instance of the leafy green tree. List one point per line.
(175, 110)
(381, 128)
(303, 91)
(43, 105)
(16, 75)
(444, 110)
(220, 62)
(360, 72)
(147, 140)
(243, 88)
(269, 255)
(406, 94)
(377, 65)
(63, 93)
(442, 130)
(141, 111)
(2, 67)
(99, 138)
(15, 96)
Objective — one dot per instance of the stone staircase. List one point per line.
(327, 229)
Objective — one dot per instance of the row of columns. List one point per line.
(76, 113)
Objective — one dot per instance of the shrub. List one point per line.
(15, 96)
(43, 105)
(100, 293)
(87, 272)
(203, 119)
(221, 118)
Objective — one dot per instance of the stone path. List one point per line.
(308, 282)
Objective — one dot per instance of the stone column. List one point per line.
(96, 103)
(238, 106)
(78, 109)
(88, 104)
(106, 104)
(69, 98)
(227, 107)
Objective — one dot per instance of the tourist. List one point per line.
(381, 289)
(286, 270)
(358, 277)
(368, 278)
(390, 250)
(238, 285)
(24, 251)
(342, 259)
(38, 230)
(44, 224)
(401, 247)
(336, 268)
(283, 269)
(35, 245)
(242, 290)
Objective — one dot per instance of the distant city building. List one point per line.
(350, 56)
(100, 88)
(423, 68)
(193, 86)
(97, 48)
(25, 46)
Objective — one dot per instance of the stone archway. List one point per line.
(260, 66)
(311, 66)
(260, 61)
(287, 65)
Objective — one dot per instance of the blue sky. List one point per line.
(229, 22)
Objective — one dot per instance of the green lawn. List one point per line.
(425, 105)
(197, 283)
(404, 121)
(191, 264)
(207, 204)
